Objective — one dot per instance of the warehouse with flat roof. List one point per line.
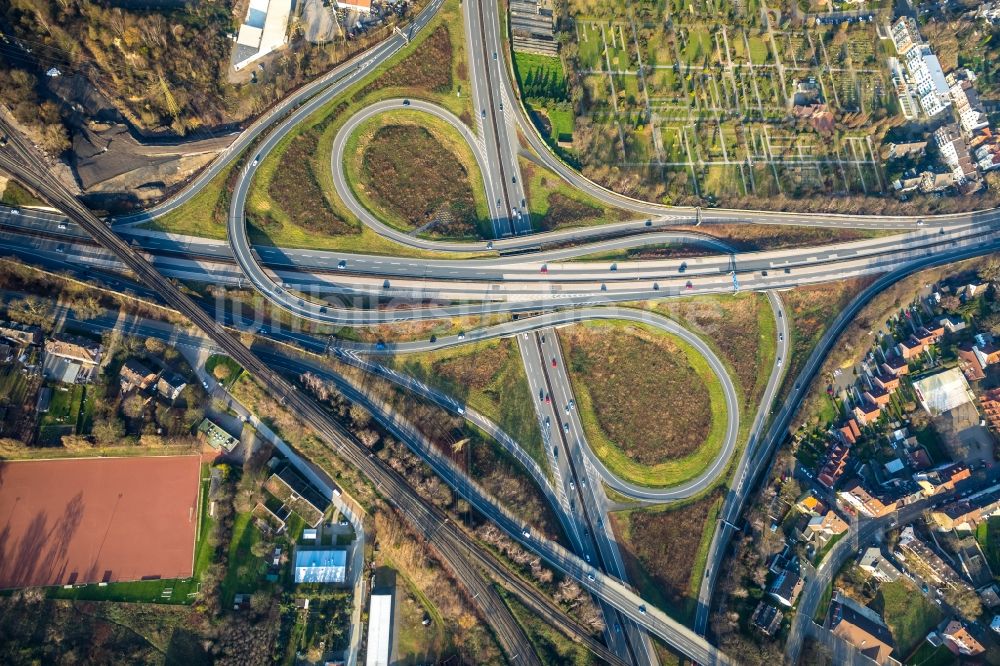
(263, 30)
(320, 565)
(379, 630)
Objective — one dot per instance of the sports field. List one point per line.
(92, 520)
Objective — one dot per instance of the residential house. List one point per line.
(134, 375)
(915, 149)
(905, 35)
(955, 153)
(990, 403)
(930, 336)
(860, 499)
(877, 395)
(895, 365)
(70, 359)
(786, 587)
(888, 382)
(861, 627)
(942, 479)
(911, 348)
(876, 565)
(966, 513)
(834, 464)
(930, 86)
(810, 505)
(960, 641)
(965, 101)
(827, 526)
(952, 324)
(766, 618)
(216, 436)
(849, 432)
(921, 560)
(360, 6)
(20, 334)
(867, 412)
(170, 385)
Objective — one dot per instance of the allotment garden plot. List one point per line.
(717, 101)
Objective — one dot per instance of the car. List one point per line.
(587, 556)
(513, 178)
(688, 285)
(243, 418)
(61, 249)
(545, 269)
(433, 339)
(461, 335)
(525, 533)
(779, 361)
(787, 271)
(543, 338)
(15, 211)
(380, 345)
(342, 264)
(565, 427)
(920, 223)
(62, 225)
(591, 578)
(649, 223)
(600, 522)
(642, 610)
(781, 337)
(779, 314)
(618, 628)
(554, 364)
(461, 410)
(567, 409)
(924, 588)
(501, 106)
(937, 601)
(489, 245)
(572, 404)
(548, 398)
(484, 113)
(683, 267)
(614, 267)
(548, 421)
(256, 161)
(583, 483)
(555, 452)
(572, 485)
(763, 273)
(494, 55)
(406, 102)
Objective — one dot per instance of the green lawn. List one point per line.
(244, 572)
(928, 655)
(223, 361)
(562, 124)
(540, 76)
(550, 645)
(988, 535)
(908, 613)
(63, 417)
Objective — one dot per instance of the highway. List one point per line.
(731, 509)
(430, 522)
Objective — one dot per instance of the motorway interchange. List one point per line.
(537, 280)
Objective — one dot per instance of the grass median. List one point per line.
(653, 410)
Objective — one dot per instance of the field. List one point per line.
(551, 646)
(100, 519)
(665, 551)
(679, 101)
(909, 615)
(489, 377)
(651, 407)
(988, 535)
(555, 205)
(417, 173)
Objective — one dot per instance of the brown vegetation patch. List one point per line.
(564, 211)
(295, 187)
(475, 372)
(420, 179)
(427, 68)
(647, 398)
(661, 547)
(731, 323)
(752, 237)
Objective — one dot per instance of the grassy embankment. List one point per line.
(489, 377)
(665, 551)
(652, 409)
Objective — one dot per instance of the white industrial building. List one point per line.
(264, 30)
(320, 566)
(379, 630)
(943, 392)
